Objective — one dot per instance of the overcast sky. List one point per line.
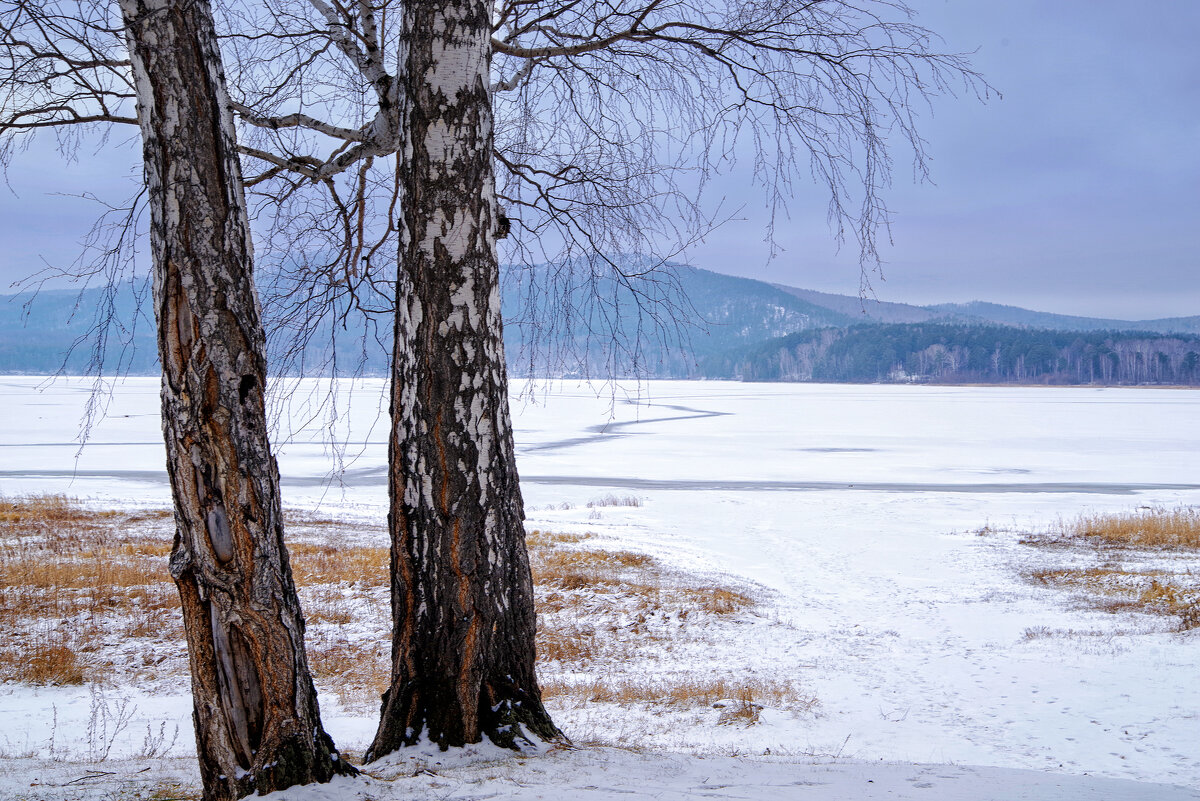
(1078, 192)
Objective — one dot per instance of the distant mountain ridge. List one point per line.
(862, 309)
(1014, 315)
(872, 310)
(688, 323)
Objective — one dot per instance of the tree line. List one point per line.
(967, 354)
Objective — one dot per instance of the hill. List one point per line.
(569, 323)
(557, 321)
(1015, 315)
(586, 319)
(875, 311)
(960, 353)
(61, 330)
(862, 309)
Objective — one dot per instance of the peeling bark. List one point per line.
(257, 723)
(462, 595)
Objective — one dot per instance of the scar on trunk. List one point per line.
(468, 683)
(219, 535)
(240, 689)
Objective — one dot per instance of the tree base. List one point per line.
(517, 721)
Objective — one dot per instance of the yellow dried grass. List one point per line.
(47, 508)
(1150, 581)
(1153, 527)
(328, 563)
(106, 572)
(358, 672)
(684, 692)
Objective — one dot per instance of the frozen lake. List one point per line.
(854, 507)
(669, 435)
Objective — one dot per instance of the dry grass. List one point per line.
(538, 540)
(357, 671)
(173, 791)
(329, 563)
(87, 591)
(47, 510)
(50, 659)
(596, 607)
(1151, 527)
(733, 696)
(82, 587)
(75, 579)
(1146, 561)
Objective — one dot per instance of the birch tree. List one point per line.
(255, 710)
(462, 595)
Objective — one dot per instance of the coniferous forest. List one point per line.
(944, 353)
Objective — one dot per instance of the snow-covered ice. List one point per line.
(856, 510)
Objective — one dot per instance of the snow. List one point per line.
(612, 774)
(856, 510)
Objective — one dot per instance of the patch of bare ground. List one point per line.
(1146, 561)
(87, 595)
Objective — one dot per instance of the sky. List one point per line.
(1076, 192)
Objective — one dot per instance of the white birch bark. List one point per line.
(462, 599)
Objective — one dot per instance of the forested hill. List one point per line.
(580, 325)
(572, 320)
(947, 353)
(556, 322)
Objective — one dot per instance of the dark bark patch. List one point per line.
(212, 394)
(183, 324)
(247, 385)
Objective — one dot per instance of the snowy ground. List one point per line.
(856, 511)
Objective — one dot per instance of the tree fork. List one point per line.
(462, 593)
(255, 708)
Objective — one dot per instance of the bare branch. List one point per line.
(297, 120)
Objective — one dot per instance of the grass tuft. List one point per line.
(614, 500)
(1149, 527)
(1155, 569)
(52, 661)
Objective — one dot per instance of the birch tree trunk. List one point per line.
(462, 595)
(257, 723)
